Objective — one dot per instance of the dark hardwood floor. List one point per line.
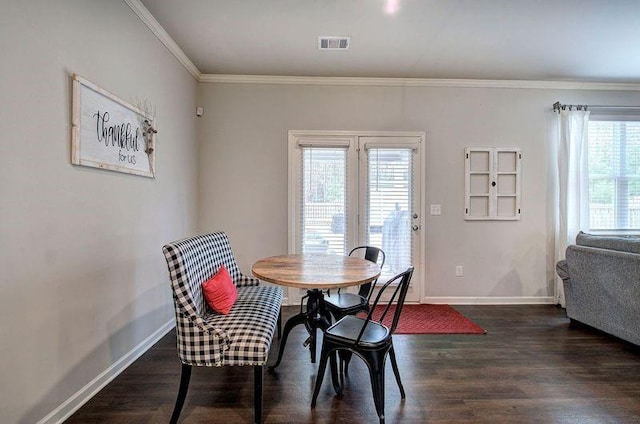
(531, 367)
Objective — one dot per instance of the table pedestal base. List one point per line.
(315, 316)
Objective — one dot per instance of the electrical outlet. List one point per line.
(435, 210)
(459, 271)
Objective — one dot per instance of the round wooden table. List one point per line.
(314, 273)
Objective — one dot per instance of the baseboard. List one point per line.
(493, 300)
(82, 396)
(465, 300)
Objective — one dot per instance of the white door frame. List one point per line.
(418, 279)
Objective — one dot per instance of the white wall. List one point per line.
(83, 277)
(243, 172)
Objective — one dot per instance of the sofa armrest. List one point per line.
(604, 289)
(563, 270)
(205, 327)
(245, 281)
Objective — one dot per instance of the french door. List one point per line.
(350, 189)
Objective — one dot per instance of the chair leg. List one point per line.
(344, 361)
(258, 376)
(344, 356)
(341, 370)
(376, 372)
(394, 365)
(182, 393)
(337, 384)
(328, 317)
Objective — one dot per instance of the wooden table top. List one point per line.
(315, 271)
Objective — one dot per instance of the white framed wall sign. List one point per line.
(492, 183)
(109, 133)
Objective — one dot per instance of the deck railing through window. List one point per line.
(602, 217)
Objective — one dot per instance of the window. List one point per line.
(614, 175)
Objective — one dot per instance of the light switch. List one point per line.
(435, 210)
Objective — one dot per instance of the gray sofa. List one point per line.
(601, 276)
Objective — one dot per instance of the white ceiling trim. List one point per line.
(147, 18)
(417, 82)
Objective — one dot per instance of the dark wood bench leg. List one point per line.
(280, 324)
(182, 393)
(258, 376)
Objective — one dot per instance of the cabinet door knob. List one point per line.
(493, 183)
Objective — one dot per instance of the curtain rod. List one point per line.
(557, 106)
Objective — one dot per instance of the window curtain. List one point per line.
(573, 184)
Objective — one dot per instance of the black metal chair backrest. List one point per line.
(401, 287)
(373, 254)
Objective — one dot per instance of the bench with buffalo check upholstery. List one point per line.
(206, 338)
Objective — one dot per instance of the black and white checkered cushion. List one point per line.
(206, 338)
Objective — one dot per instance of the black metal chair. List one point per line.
(341, 304)
(369, 339)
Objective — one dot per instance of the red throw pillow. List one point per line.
(220, 292)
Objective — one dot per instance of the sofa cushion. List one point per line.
(629, 244)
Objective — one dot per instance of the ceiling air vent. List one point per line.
(334, 43)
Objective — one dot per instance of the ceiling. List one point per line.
(538, 40)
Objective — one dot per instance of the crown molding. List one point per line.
(147, 18)
(417, 82)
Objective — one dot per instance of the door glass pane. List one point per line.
(389, 206)
(324, 188)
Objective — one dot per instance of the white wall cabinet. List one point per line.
(492, 183)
